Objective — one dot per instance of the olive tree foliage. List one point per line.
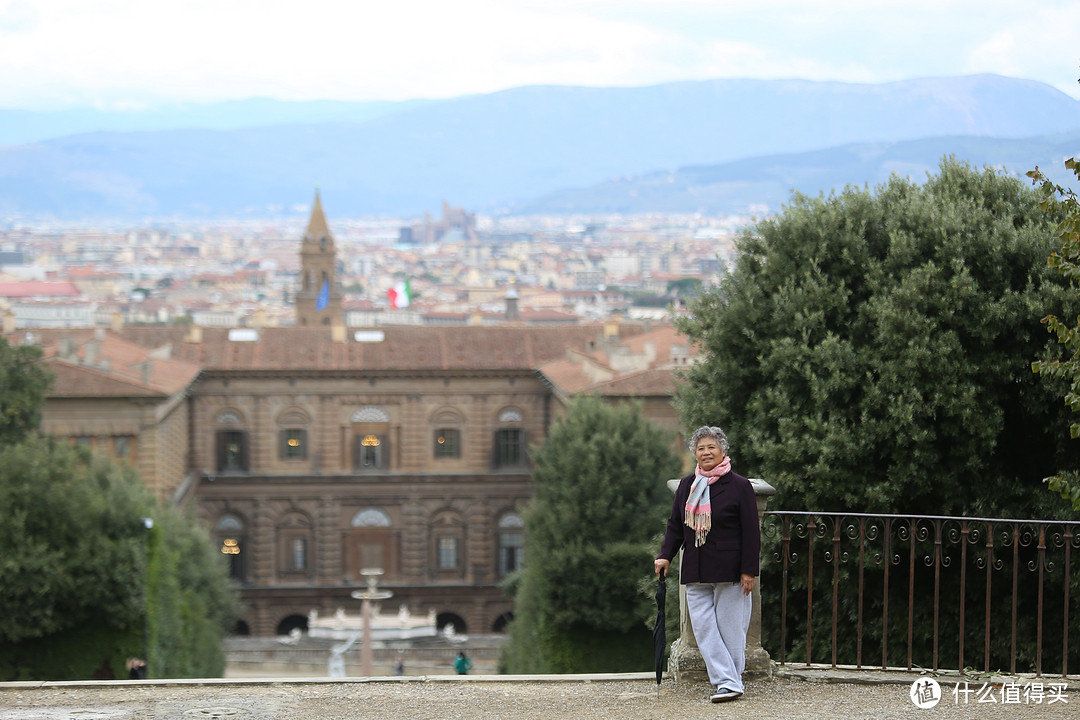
(869, 350)
(23, 385)
(600, 497)
(1062, 203)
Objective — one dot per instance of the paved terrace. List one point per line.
(790, 694)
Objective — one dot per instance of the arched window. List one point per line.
(448, 538)
(511, 543)
(231, 442)
(293, 435)
(371, 433)
(510, 415)
(371, 543)
(294, 545)
(509, 442)
(447, 434)
(371, 517)
(370, 414)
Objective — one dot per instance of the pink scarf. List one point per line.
(698, 506)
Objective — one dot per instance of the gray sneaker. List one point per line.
(722, 694)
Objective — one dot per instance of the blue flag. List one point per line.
(324, 296)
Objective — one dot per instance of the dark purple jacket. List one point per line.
(733, 544)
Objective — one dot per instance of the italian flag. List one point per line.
(399, 295)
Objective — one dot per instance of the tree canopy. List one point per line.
(23, 384)
(870, 350)
(1061, 202)
(80, 572)
(73, 542)
(600, 498)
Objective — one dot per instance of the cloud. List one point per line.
(17, 18)
(123, 51)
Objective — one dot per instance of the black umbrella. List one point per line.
(659, 632)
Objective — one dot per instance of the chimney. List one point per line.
(194, 334)
(259, 320)
(337, 332)
(90, 352)
(512, 304)
(116, 321)
(147, 367)
(66, 348)
(9, 322)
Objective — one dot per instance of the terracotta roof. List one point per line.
(568, 376)
(39, 289)
(663, 337)
(403, 348)
(115, 368)
(647, 382)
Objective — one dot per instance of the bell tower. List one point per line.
(318, 299)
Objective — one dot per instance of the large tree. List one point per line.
(82, 578)
(600, 499)
(870, 350)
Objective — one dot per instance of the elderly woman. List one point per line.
(714, 520)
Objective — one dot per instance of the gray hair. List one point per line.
(713, 432)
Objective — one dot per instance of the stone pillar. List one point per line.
(685, 661)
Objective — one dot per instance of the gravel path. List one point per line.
(496, 698)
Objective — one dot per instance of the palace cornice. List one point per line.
(362, 374)
(263, 479)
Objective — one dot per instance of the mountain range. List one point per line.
(719, 146)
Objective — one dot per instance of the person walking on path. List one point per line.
(462, 664)
(714, 520)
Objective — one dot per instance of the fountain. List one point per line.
(371, 626)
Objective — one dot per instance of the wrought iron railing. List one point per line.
(922, 590)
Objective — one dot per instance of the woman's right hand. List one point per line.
(661, 564)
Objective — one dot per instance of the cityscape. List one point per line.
(460, 269)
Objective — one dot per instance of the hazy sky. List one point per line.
(117, 53)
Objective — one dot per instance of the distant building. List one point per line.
(455, 224)
(35, 304)
(122, 400)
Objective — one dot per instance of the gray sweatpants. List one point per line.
(720, 616)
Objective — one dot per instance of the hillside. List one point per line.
(498, 152)
(763, 184)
